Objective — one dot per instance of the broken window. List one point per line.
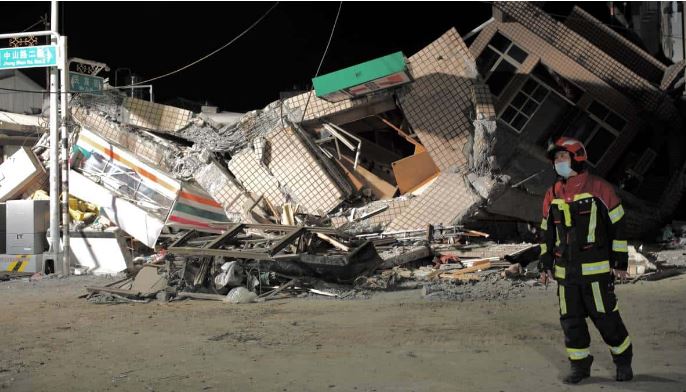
(561, 85)
(389, 158)
(524, 105)
(597, 128)
(606, 115)
(499, 61)
(124, 181)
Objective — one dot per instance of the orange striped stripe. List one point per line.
(199, 199)
(186, 221)
(114, 156)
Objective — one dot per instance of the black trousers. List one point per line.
(596, 300)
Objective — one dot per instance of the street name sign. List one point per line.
(28, 57)
(79, 82)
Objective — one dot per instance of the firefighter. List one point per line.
(583, 248)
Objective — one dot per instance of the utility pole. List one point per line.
(54, 249)
(64, 155)
(54, 57)
(683, 38)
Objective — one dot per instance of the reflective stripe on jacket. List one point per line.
(582, 229)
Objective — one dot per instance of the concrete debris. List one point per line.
(100, 253)
(18, 173)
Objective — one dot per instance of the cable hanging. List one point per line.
(12, 91)
(210, 54)
(326, 50)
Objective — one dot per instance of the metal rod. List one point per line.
(131, 87)
(64, 162)
(477, 29)
(527, 179)
(54, 164)
(238, 254)
(53, 33)
(359, 143)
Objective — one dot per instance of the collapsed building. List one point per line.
(393, 148)
(322, 159)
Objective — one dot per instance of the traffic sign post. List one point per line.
(52, 56)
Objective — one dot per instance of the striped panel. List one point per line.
(152, 177)
(195, 209)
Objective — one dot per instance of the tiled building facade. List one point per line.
(575, 78)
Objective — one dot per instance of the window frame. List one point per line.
(600, 123)
(529, 97)
(503, 56)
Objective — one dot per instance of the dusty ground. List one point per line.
(400, 341)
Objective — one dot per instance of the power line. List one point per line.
(326, 50)
(41, 20)
(210, 54)
(13, 91)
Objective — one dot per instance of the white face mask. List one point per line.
(564, 169)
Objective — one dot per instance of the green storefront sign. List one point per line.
(361, 79)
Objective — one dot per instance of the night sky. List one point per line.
(283, 51)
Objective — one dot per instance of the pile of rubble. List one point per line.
(305, 196)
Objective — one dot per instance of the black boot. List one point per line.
(623, 363)
(581, 368)
(624, 372)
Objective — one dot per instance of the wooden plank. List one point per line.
(475, 233)
(353, 177)
(474, 268)
(401, 133)
(279, 289)
(126, 293)
(212, 297)
(414, 170)
(333, 242)
(382, 189)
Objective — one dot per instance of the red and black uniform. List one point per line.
(582, 241)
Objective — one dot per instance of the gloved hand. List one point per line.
(546, 277)
(620, 274)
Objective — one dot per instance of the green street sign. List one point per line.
(28, 57)
(83, 83)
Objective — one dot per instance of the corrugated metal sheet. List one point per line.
(20, 102)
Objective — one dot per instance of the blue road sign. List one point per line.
(28, 57)
(79, 82)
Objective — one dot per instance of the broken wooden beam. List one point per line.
(463, 271)
(333, 242)
(112, 290)
(204, 296)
